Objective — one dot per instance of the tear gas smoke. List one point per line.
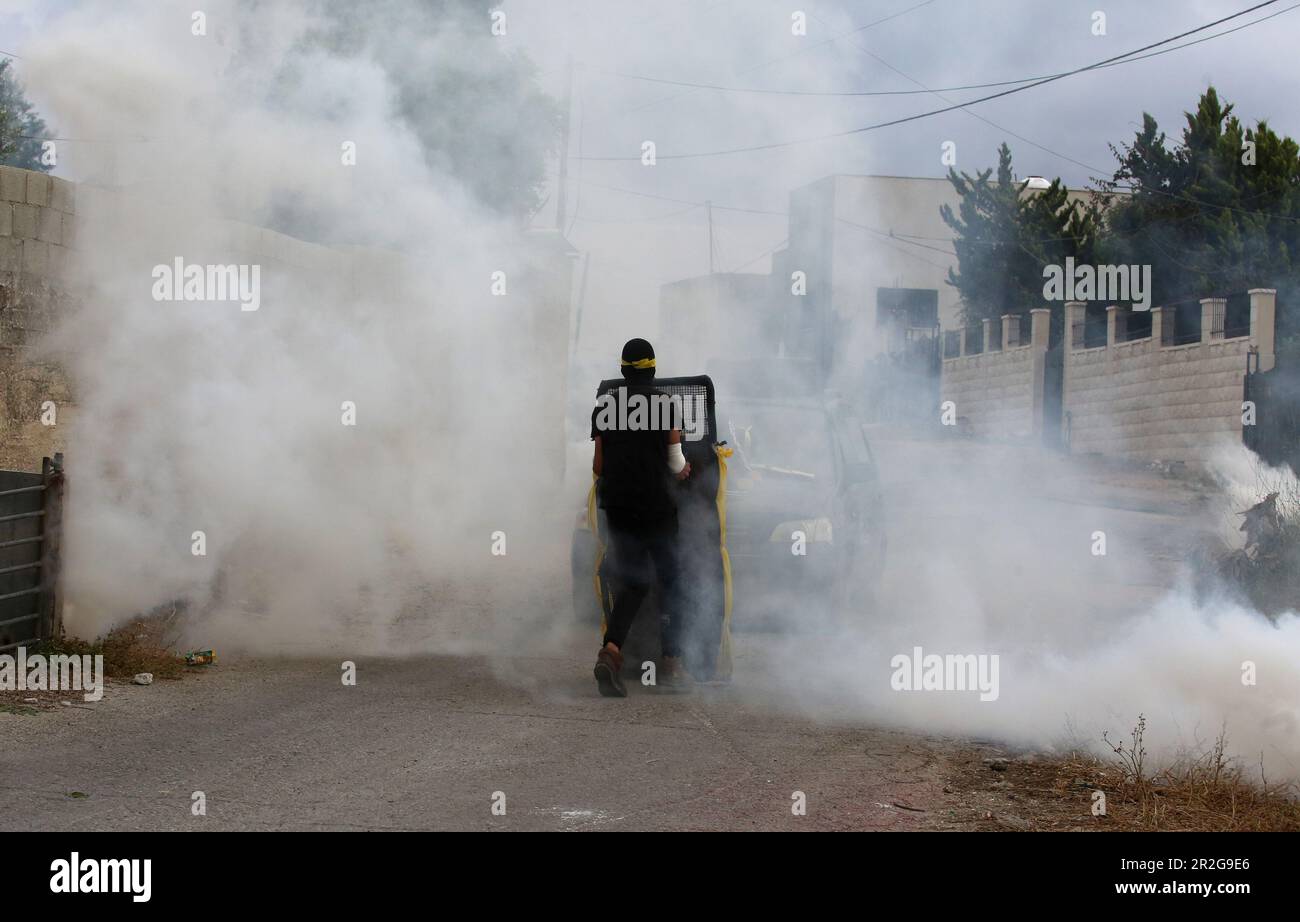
(205, 417)
(202, 417)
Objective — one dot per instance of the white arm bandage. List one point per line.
(676, 460)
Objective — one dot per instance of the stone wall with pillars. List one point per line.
(998, 393)
(1148, 399)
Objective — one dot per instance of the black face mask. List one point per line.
(638, 375)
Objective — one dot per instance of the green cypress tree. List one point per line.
(21, 127)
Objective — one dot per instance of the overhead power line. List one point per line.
(889, 238)
(804, 49)
(768, 91)
(775, 145)
(676, 212)
(767, 252)
(886, 236)
(1097, 171)
(683, 201)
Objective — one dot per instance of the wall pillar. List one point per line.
(1040, 327)
(1158, 326)
(1007, 321)
(1074, 311)
(1263, 316)
(988, 335)
(961, 338)
(1210, 307)
(1112, 325)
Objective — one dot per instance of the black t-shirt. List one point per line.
(633, 423)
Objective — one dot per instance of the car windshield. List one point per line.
(788, 441)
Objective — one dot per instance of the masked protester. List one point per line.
(636, 458)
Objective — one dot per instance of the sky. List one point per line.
(1065, 127)
(650, 233)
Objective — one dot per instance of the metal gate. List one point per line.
(31, 515)
(902, 385)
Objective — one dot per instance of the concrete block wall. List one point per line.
(37, 236)
(37, 233)
(999, 393)
(44, 221)
(1143, 400)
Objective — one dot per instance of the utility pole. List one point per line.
(710, 208)
(563, 190)
(582, 300)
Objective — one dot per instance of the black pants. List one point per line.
(634, 547)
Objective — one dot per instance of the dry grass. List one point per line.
(1206, 791)
(142, 645)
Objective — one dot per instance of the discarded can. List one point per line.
(200, 657)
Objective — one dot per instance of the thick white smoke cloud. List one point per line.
(203, 417)
(991, 553)
(197, 416)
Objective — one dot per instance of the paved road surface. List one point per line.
(424, 742)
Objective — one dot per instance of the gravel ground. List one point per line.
(428, 741)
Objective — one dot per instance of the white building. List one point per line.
(876, 254)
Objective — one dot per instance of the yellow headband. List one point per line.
(640, 363)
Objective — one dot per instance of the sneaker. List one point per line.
(673, 675)
(608, 672)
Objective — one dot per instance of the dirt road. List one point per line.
(427, 742)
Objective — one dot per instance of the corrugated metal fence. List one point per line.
(31, 516)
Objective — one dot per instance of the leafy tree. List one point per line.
(1006, 235)
(21, 127)
(1206, 219)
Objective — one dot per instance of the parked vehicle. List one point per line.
(803, 514)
